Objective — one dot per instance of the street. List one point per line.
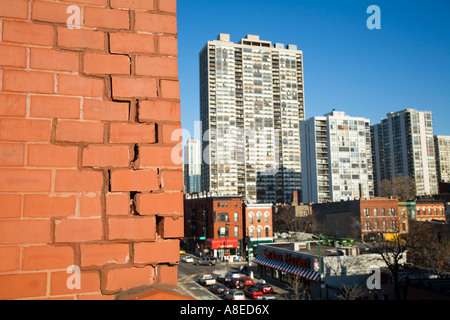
(188, 274)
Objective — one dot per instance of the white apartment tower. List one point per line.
(442, 145)
(192, 166)
(336, 157)
(403, 145)
(251, 105)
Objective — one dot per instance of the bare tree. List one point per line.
(393, 253)
(297, 287)
(286, 220)
(401, 187)
(350, 292)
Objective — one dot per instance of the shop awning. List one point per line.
(284, 267)
(221, 243)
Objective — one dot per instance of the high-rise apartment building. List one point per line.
(251, 104)
(336, 157)
(442, 146)
(192, 166)
(403, 145)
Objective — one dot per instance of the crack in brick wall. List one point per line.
(86, 175)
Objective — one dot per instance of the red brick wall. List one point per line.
(86, 118)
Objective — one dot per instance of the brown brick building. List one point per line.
(214, 226)
(87, 183)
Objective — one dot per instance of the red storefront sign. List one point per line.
(222, 243)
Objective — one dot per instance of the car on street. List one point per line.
(247, 281)
(206, 262)
(253, 292)
(264, 287)
(234, 295)
(206, 280)
(235, 283)
(187, 259)
(217, 289)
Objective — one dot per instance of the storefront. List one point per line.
(223, 248)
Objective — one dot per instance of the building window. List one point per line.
(236, 231)
(223, 232)
(251, 232)
(367, 225)
(375, 212)
(393, 225)
(223, 217)
(266, 216)
(250, 217)
(258, 232)
(366, 212)
(236, 217)
(392, 211)
(258, 216)
(266, 231)
(383, 212)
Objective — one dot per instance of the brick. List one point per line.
(172, 180)
(11, 205)
(49, 59)
(168, 46)
(47, 257)
(55, 107)
(106, 156)
(97, 63)
(89, 283)
(49, 155)
(127, 278)
(167, 274)
(25, 180)
(133, 87)
(78, 230)
(171, 133)
(101, 3)
(24, 285)
(25, 130)
(157, 156)
(157, 252)
(106, 18)
(132, 228)
(132, 133)
(49, 11)
(24, 231)
(171, 228)
(170, 89)
(103, 254)
(12, 154)
(168, 6)
(129, 180)
(9, 258)
(13, 56)
(24, 32)
(159, 204)
(132, 4)
(105, 110)
(117, 203)
(165, 67)
(13, 105)
(121, 42)
(79, 131)
(28, 81)
(159, 111)
(70, 84)
(78, 181)
(90, 205)
(81, 39)
(157, 23)
(14, 9)
(44, 205)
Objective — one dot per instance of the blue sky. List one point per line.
(347, 67)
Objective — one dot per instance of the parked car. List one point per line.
(264, 287)
(234, 295)
(217, 289)
(206, 280)
(225, 280)
(253, 292)
(206, 262)
(187, 259)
